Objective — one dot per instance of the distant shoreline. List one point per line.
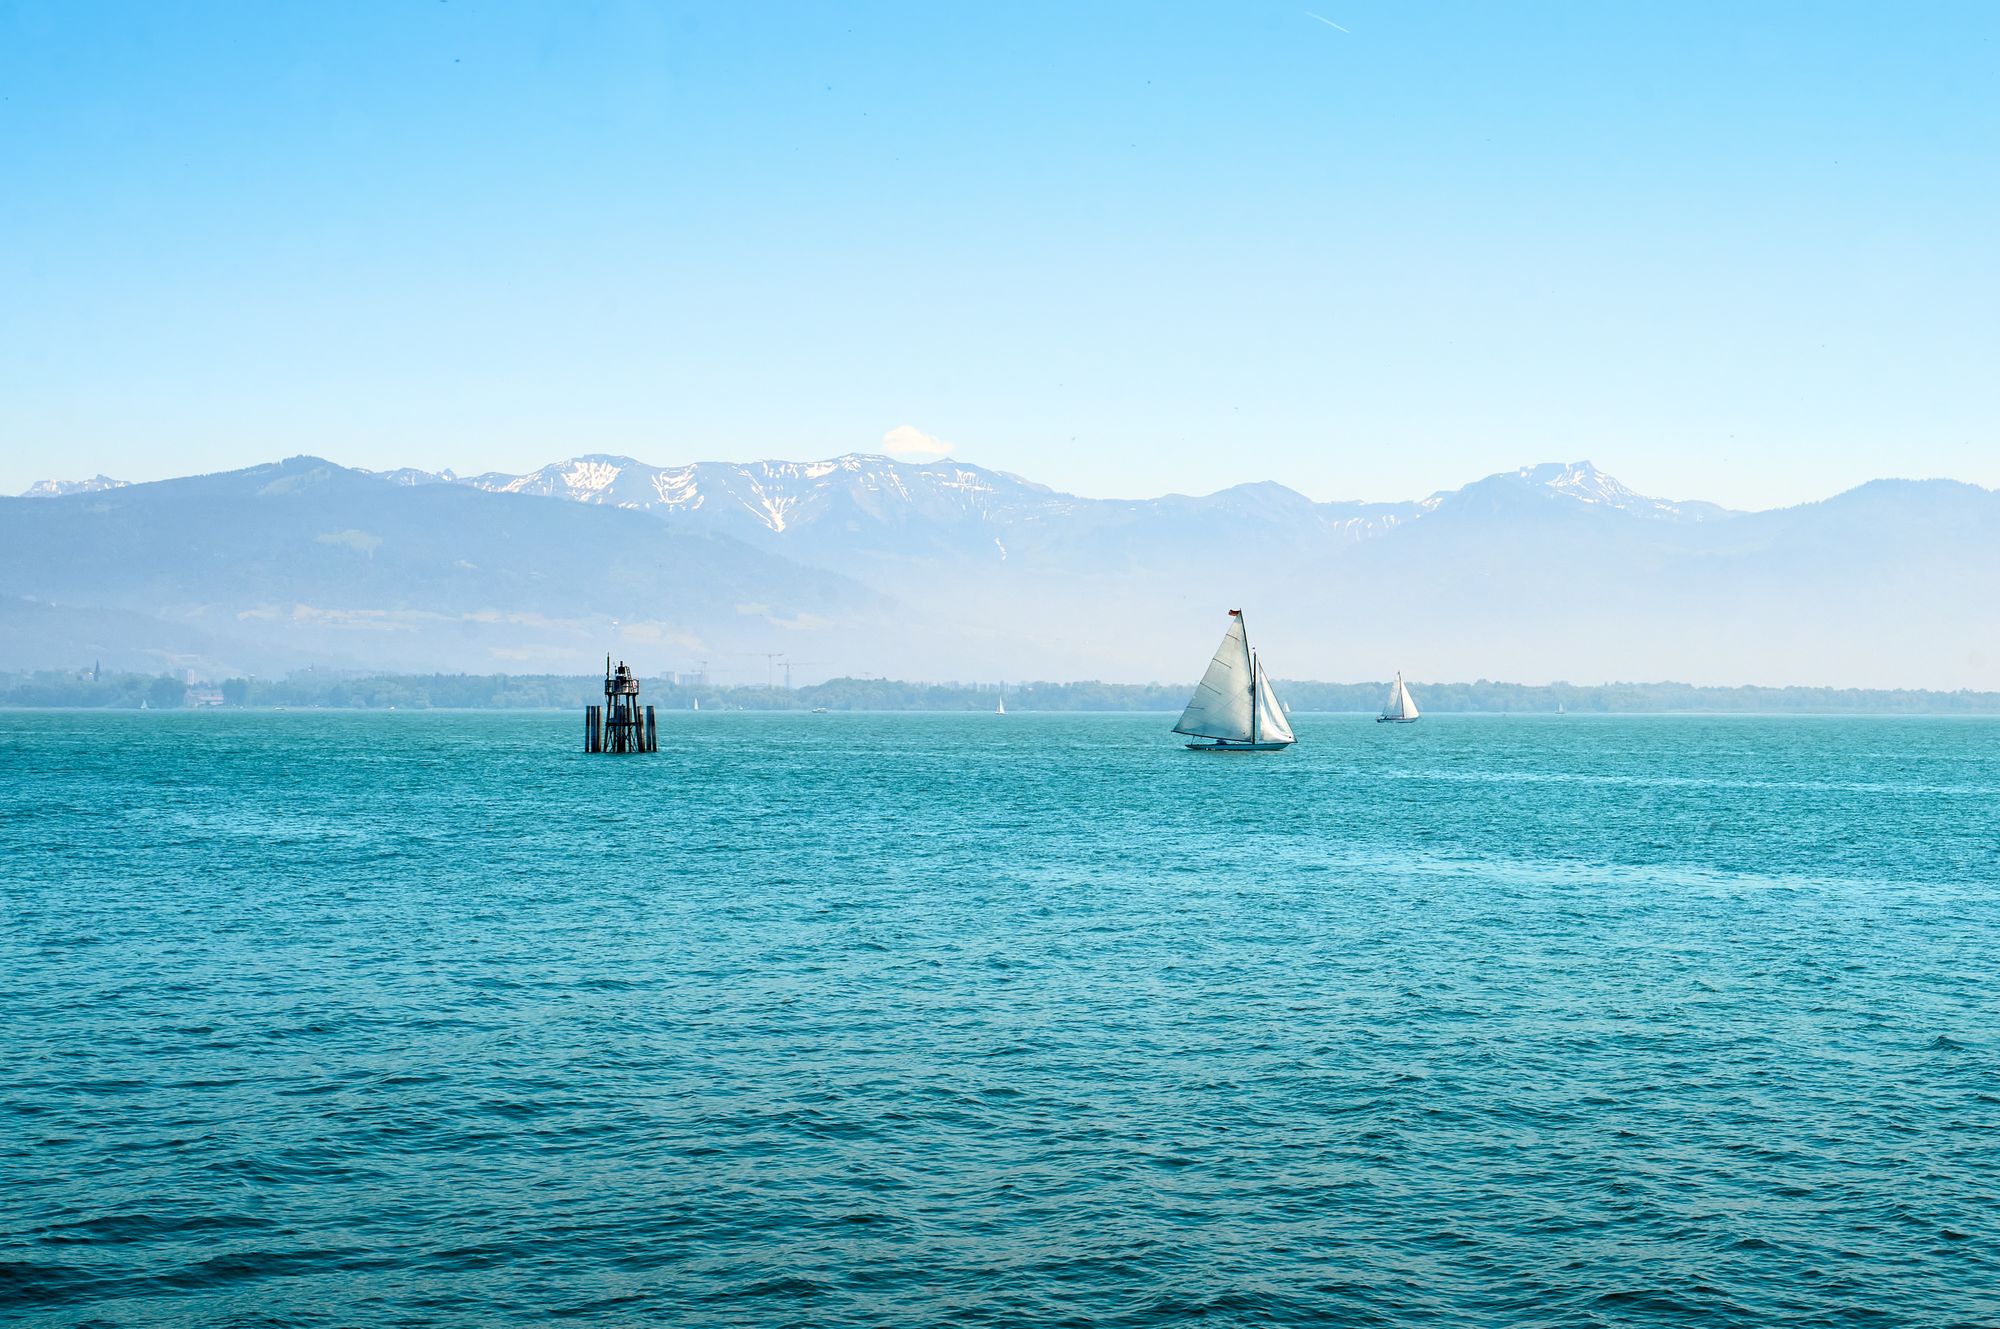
(89, 690)
(666, 717)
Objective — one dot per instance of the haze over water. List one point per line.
(363, 1019)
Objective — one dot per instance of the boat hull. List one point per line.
(1397, 719)
(1236, 747)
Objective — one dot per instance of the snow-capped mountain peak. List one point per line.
(411, 475)
(1580, 483)
(57, 488)
(868, 501)
(763, 497)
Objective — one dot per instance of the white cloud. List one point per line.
(909, 443)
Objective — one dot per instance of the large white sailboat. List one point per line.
(1233, 705)
(1402, 707)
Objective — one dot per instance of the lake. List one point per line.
(394, 1019)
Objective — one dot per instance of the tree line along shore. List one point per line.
(91, 689)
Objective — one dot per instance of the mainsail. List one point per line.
(1272, 727)
(1402, 706)
(1222, 706)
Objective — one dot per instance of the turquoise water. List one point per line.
(336, 1019)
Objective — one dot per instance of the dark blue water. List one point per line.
(859, 1020)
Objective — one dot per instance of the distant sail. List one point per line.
(1402, 706)
(1271, 723)
(1221, 706)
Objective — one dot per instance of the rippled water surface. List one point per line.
(854, 1020)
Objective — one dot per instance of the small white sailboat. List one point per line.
(1233, 704)
(1402, 707)
(1001, 708)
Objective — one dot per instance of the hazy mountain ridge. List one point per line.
(792, 497)
(776, 498)
(305, 561)
(863, 564)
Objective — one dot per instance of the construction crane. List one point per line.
(771, 659)
(788, 670)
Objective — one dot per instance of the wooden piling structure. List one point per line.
(620, 724)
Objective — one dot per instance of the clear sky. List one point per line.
(1368, 249)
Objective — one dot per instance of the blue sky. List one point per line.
(1725, 251)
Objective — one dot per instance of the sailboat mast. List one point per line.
(1245, 625)
(1255, 665)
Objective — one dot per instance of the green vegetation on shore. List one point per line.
(315, 688)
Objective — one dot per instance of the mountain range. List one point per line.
(863, 564)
